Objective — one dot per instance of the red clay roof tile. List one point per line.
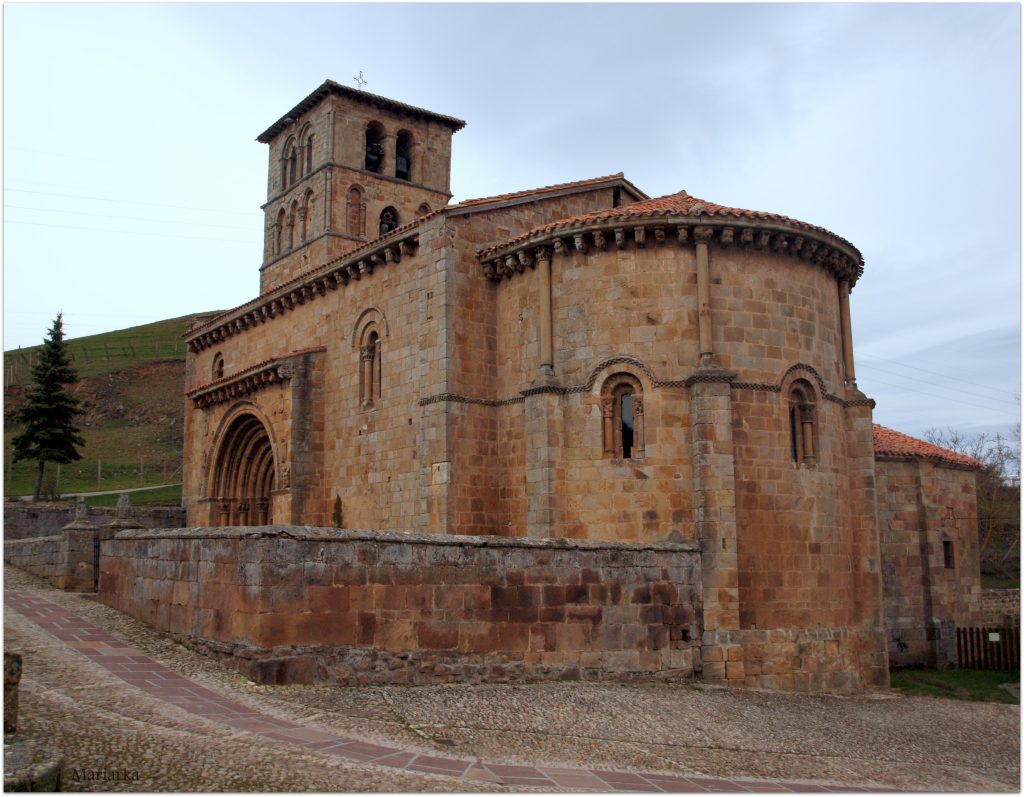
(890, 443)
(680, 203)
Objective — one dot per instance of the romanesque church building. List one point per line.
(578, 365)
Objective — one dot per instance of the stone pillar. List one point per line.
(121, 521)
(847, 332)
(702, 235)
(714, 501)
(12, 677)
(542, 411)
(79, 553)
(547, 356)
(869, 613)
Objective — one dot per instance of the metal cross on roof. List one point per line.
(360, 82)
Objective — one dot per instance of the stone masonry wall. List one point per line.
(920, 507)
(24, 521)
(66, 560)
(295, 604)
(998, 607)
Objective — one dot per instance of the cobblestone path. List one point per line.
(215, 741)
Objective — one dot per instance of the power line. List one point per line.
(126, 232)
(926, 371)
(129, 218)
(944, 387)
(129, 202)
(941, 398)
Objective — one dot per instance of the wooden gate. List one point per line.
(988, 648)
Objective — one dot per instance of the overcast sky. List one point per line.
(132, 180)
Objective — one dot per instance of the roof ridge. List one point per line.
(894, 443)
(542, 189)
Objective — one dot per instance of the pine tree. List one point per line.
(50, 433)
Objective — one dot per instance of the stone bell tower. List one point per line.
(345, 168)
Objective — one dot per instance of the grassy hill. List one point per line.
(132, 390)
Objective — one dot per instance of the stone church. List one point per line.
(583, 364)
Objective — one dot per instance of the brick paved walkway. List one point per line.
(140, 671)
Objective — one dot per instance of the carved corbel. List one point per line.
(810, 247)
(620, 237)
(524, 260)
(746, 237)
(581, 245)
(542, 253)
(796, 244)
(727, 236)
(640, 236)
(356, 270)
(779, 242)
(489, 271)
(683, 235)
(763, 239)
(391, 254)
(599, 240)
(559, 247)
(659, 235)
(407, 246)
(192, 347)
(703, 235)
(512, 264)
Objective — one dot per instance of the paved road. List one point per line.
(117, 698)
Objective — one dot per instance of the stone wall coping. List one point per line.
(32, 540)
(320, 534)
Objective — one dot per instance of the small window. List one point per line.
(369, 371)
(218, 366)
(802, 423)
(403, 155)
(622, 411)
(423, 209)
(309, 154)
(947, 554)
(289, 164)
(293, 214)
(374, 161)
(279, 232)
(356, 212)
(388, 220)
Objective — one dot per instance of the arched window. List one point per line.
(292, 217)
(423, 209)
(218, 366)
(802, 423)
(403, 155)
(306, 214)
(369, 370)
(279, 231)
(289, 163)
(309, 154)
(622, 415)
(388, 220)
(356, 212)
(374, 161)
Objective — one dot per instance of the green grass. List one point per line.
(110, 351)
(124, 457)
(991, 581)
(161, 496)
(974, 685)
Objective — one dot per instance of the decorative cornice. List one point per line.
(251, 380)
(674, 228)
(704, 375)
(307, 287)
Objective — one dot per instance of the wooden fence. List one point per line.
(988, 648)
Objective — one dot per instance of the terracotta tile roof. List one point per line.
(548, 189)
(680, 203)
(890, 443)
(330, 87)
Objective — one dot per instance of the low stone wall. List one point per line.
(295, 604)
(998, 607)
(836, 660)
(66, 560)
(25, 521)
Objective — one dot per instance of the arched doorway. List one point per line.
(245, 474)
